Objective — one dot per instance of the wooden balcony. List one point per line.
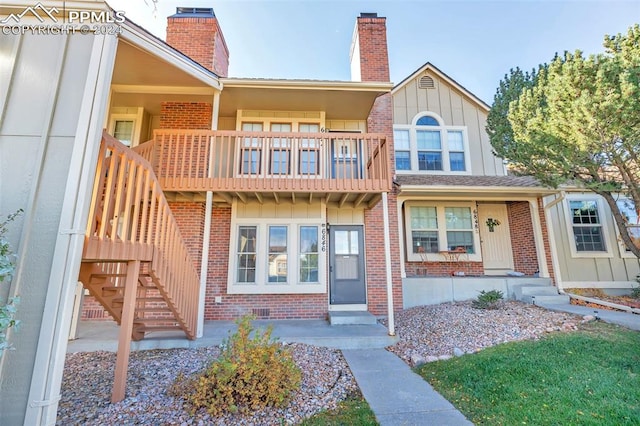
(346, 168)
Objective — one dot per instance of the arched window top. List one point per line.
(427, 120)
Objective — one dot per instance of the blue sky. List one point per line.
(475, 42)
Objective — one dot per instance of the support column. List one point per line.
(126, 328)
(538, 238)
(387, 261)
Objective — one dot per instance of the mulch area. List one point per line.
(597, 293)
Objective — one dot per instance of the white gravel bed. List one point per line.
(429, 333)
(88, 377)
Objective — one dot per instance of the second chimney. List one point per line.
(369, 57)
(195, 31)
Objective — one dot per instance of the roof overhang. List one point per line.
(339, 99)
(475, 192)
(148, 71)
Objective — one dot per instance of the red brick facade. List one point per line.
(523, 244)
(374, 58)
(201, 39)
(185, 115)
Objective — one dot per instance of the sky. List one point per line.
(475, 42)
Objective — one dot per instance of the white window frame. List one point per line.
(442, 232)
(262, 284)
(623, 248)
(444, 140)
(136, 118)
(604, 224)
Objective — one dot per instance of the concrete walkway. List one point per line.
(397, 395)
(625, 319)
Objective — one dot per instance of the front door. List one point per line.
(346, 265)
(495, 239)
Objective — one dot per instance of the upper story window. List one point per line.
(430, 146)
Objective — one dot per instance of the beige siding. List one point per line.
(49, 133)
(354, 125)
(283, 210)
(226, 123)
(337, 216)
(613, 271)
(456, 109)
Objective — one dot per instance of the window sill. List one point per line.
(276, 289)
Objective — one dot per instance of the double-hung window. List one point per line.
(436, 228)
(309, 151)
(251, 157)
(430, 146)
(587, 226)
(279, 164)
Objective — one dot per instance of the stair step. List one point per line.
(546, 299)
(155, 309)
(351, 318)
(143, 321)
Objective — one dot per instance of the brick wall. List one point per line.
(201, 39)
(272, 306)
(443, 269)
(523, 245)
(190, 219)
(185, 115)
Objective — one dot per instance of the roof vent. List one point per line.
(426, 82)
(194, 11)
(368, 15)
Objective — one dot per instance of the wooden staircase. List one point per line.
(135, 262)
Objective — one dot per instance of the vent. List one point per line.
(426, 82)
(194, 11)
(368, 15)
(261, 312)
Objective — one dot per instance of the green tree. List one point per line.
(577, 121)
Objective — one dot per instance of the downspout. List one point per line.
(387, 261)
(552, 239)
(208, 210)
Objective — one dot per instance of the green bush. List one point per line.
(635, 291)
(7, 267)
(252, 372)
(488, 300)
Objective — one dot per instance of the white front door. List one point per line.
(495, 239)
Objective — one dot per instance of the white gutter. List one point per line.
(387, 259)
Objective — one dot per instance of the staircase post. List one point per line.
(126, 329)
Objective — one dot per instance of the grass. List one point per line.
(353, 411)
(588, 377)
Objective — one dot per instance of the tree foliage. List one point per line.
(577, 121)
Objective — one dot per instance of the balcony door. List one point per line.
(346, 157)
(346, 265)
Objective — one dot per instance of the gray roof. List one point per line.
(468, 181)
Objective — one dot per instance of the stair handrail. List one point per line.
(130, 219)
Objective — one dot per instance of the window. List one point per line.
(308, 254)
(633, 223)
(123, 131)
(280, 150)
(251, 150)
(587, 226)
(309, 154)
(433, 228)
(247, 254)
(403, 150)
(277, 257)
(429, 146)
(278, 254)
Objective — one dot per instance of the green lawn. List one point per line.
(353, 411)
(588, 377)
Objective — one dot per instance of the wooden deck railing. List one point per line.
(130, 220)
(203, 160)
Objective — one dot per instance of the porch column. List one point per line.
(387, 261)
(539, 239)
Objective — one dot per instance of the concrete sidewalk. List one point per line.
(625, 319)
(397, 395)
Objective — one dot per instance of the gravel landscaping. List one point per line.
(426, 333)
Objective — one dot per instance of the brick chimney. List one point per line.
(369, 57)
(195, 31)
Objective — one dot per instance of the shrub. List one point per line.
(488, 300)
(252, 372)
(635, 291)
(7, 266)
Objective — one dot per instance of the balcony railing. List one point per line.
(204, 160)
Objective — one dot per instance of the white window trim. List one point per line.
(604, 223)
(261, 285)
(442, 232)
(623, 249)
(443, 129)
(137, 124)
